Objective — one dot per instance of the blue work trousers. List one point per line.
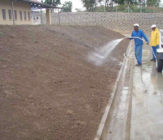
(138, 53)
(154, 51)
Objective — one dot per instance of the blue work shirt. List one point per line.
(140, 34)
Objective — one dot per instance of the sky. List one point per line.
(75, 4)
(78, 4)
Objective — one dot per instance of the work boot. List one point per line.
(138, 64)
(153, 60)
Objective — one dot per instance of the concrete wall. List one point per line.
(18, 6)
(121, 22)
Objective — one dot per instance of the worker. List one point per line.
(137, 35)
(154, 41)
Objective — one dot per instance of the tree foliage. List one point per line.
(120, 2)
(92, 5)
(89, 4)
(153, 2)
(52, 2)
(67, 6)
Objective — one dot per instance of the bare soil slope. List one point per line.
(48, 89)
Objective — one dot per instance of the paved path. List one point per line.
(147, 101)
(137, 109)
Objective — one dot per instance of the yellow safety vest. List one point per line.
(155, 38)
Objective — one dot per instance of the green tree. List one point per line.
(52, 2)
(120, 2)
(153, 2)
(89, 4)
(67, 6)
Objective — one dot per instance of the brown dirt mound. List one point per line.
(48, 90)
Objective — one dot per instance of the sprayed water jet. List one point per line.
(99, 56)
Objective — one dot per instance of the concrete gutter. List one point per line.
(103, 126)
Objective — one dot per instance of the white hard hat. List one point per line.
(136, 25)
(153, 26)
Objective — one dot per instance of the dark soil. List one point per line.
(48, 89)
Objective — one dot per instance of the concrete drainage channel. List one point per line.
(115, 122)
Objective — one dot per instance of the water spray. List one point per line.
(99, 56)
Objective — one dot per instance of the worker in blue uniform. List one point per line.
(138, 36)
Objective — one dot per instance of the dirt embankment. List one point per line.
(48, 89)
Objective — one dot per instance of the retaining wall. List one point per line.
(121, 22)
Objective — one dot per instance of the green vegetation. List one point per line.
(67, 6)
(131, 8)
(153, 3)
(89, 4)
(52, 2)
(123, 6)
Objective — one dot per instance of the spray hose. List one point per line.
(135, 38)
(142, 40)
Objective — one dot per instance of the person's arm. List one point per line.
(132, 35)
(145, 37)
(150, 40)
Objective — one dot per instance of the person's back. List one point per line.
(155, 37)
(154, 41)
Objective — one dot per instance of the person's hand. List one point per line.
(129, 38)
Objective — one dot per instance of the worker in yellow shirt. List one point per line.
(154, 41)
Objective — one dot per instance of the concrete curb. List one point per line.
(128, 122)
